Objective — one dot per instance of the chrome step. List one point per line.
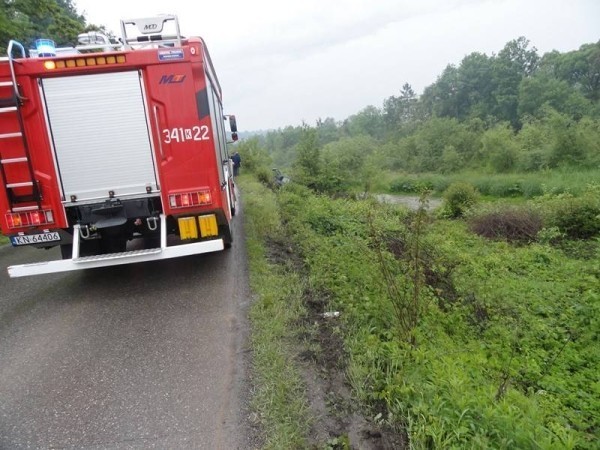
(18, 185)
(112, 256)
(25, 208)
(10, 135)
(13, 160)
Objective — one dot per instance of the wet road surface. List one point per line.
(147, 355)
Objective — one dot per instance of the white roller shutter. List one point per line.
(100, 133)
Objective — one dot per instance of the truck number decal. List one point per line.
(195, 133)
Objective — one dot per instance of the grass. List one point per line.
(3, 240)
(524, 185)
(504, 354)
(279, 398)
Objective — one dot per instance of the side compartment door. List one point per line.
(99, 131)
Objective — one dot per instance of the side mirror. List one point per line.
(234, 136)
(233, 124)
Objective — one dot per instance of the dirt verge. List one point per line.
(338, 422)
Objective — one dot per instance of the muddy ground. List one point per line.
(338, 421)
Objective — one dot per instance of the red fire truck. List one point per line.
(103, 144)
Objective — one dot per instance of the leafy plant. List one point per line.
(575, 217)
(405, 289)
(459, 197)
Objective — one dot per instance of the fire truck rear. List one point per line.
(117, 154)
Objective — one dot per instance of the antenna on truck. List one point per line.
(151, 31)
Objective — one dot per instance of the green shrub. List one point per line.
(580, 219)
(459, 197)
(575, 217)
(264, 176)
(411, 184)
(403, 185)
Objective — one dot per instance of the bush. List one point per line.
(263, 176)
(459, 197)
(514, 224)
(410, 184)
(575, 217)
(580, 219)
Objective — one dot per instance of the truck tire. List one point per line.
(226, 233)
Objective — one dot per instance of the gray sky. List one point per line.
(280, 63)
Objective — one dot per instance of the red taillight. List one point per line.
(29, 218)
(185, 200)
(190, 199)
(36, 218)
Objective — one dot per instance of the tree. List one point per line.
(514, 62)
(253, 155)
(327, 130)
(580, 68)
(424, 150)
(475, 85)
(368, 121)
(28, 20)
(543, 90)
(401, 110)
(307, 166)
(346, 160)
(500, 148)
(441, 99)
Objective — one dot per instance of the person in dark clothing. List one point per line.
(237, 162)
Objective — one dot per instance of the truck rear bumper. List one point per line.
(115, 259)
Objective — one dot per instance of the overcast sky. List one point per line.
(282, 62)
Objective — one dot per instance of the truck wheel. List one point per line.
(226, 233)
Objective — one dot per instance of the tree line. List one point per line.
(512, 111)
(28, 20)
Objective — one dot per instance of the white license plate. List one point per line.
(35, 238)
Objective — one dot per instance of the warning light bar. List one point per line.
(29, 218)
(85, 62)
(188, 199)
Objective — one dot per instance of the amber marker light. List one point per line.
(49, 65)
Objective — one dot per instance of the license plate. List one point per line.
(35, 238)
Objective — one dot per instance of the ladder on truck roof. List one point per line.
(14, 149)
(151, 31)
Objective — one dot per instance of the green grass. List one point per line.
(505, 353)
(527, 185)
(3, 240)
(279, 398)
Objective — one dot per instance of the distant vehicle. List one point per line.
(123, 141)
(279, 178)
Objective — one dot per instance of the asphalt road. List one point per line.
(139, 356)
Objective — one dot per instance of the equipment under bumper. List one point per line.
(115, 259)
